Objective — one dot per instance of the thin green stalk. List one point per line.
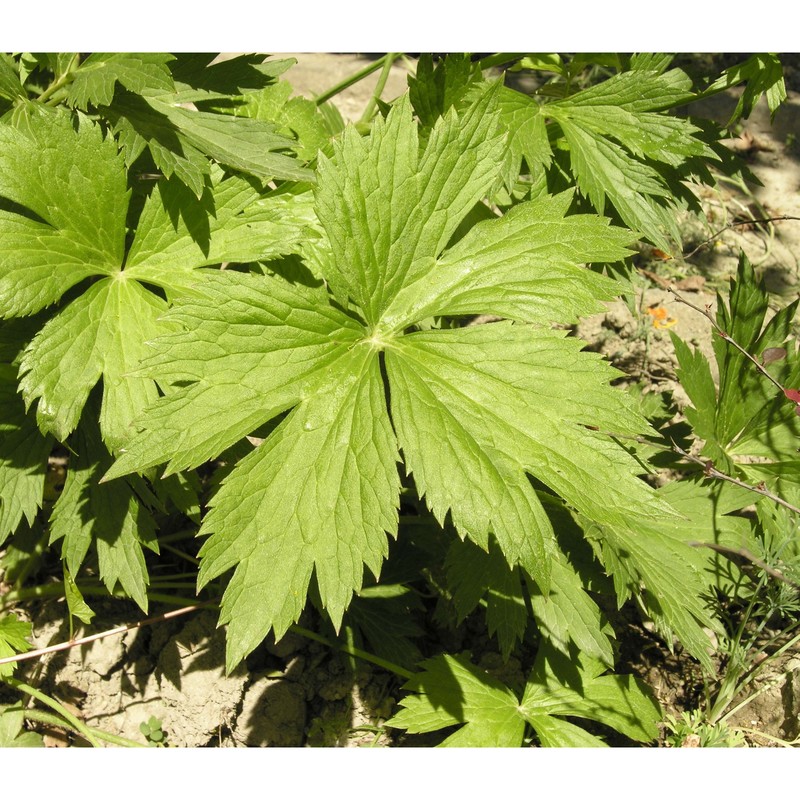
(178, 536)
(51, 719)
(175, 600)
(81, 727)
(353, 651)
(774, 739)
(62, 81)
(791, 643)
(180, 553)
(348, 82)
(53, 590)
(369, 111)
(729, 685)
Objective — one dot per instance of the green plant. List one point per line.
(152, 731)
(691, 730)
(749, 427)
(281, 313)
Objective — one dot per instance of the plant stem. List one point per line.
(348, 82)
(73, 721)
(712, 472)
(180, 553)
(98, 590)
(353, 651)
(62, 81)
(773, 739)
(51, 719)
(388, 60)
(744, 553)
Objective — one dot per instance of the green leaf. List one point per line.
(402, 207)
(522, 117)
(108, 515)
(10, 85)
(232, 221)
(477, 410)
(67, 221)
(180, 141)
(522, 266)
(617, 135)
(694, 374)
(75, 603)
(74, 184)
(137, 125)
(452, 691)
(23, 458)
(754, 417)
(248, 145)
(473, 573)
(763, 75)
(622, 702)
(12, 734)
(96, 79)
(197, 78)
(253, 347)
(14, 635)
(748, 417)
(326, 478)
(434, 91)
(101, 333)
(297, 116)
(520, 416)
(383, 613)
(568, 614)
(557, 732)
(656, 554)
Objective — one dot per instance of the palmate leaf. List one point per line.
(69, 193)
(145, 103)
(66, 221)
(452, 691)
(476, 410)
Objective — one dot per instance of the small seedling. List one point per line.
(153, 732)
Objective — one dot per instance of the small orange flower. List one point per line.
(661, 318)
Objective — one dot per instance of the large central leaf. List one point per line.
(476, 410)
